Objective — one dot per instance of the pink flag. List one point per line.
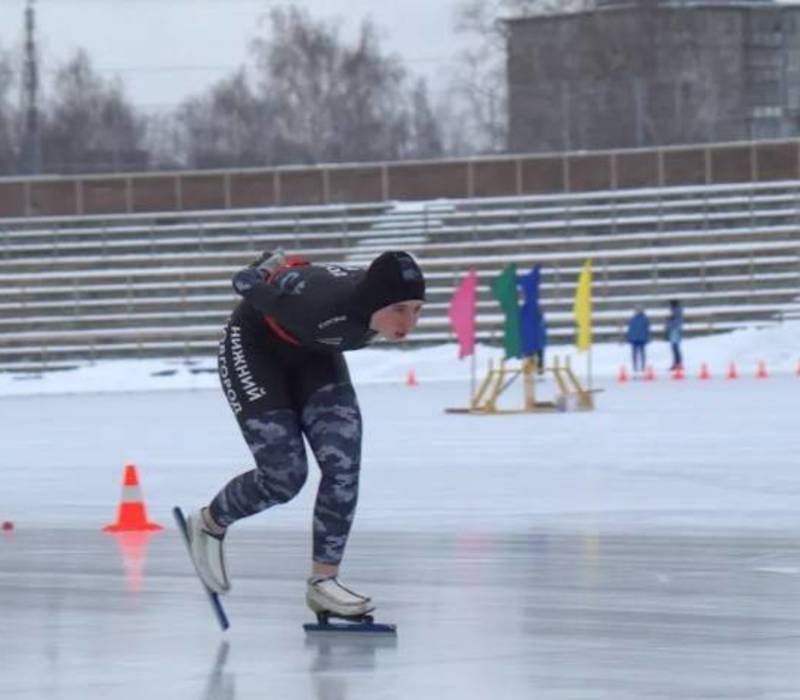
(462, 314)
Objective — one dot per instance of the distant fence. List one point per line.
(497, 176)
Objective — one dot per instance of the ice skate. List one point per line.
(206, 549)
(325, 594)
(331, 601)
(213, 596)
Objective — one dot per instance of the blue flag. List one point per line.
(531, 320)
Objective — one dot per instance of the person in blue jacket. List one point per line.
(673, 332)
(639, 336)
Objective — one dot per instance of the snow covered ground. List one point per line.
(648, 549)
(778, 347)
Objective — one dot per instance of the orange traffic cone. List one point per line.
(761, 373)
(411, 380)
(649, 374)
(622, 377)
(732, 372)
(678, 373)
(797, 371)
(131, 514)
(704, 373)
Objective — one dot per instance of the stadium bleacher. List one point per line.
(157, 285)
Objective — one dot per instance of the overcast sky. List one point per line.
(165, 50)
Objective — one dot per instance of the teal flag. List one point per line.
(504, 288)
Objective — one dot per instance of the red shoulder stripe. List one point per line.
(280, 331)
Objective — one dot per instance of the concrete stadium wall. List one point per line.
(499, 176)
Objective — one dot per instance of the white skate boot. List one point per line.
(207, 554)
(326, 595)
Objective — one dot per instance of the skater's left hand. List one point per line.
(270, 261)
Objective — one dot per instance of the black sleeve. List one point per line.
(262, 297)
(308, 302)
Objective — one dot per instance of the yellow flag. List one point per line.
(583, 307)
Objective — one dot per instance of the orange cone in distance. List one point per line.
(732, 371)
(622, 377)
(761, 373)
(411, 380)
(131, 515)
(678, 373)
(704, 373)
(649, 374)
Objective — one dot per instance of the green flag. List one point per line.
(504, 288)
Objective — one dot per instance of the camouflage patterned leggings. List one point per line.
(276, 401)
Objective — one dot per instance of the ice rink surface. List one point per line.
(650, 549)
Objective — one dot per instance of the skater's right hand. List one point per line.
(258, 271)
(246, 279)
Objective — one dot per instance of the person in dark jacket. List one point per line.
(673, 333)
(283, 371)
(638, 336)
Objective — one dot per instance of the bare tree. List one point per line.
(89, 124)
(333, 101)
(165, 141)
(308, 97)
(479, 83)
(9, 117)
(426, 138)
(227, 127)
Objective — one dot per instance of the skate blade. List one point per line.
(330, 622)
(213, 597)
(349, 627)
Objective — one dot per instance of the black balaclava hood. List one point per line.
(392, 277)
